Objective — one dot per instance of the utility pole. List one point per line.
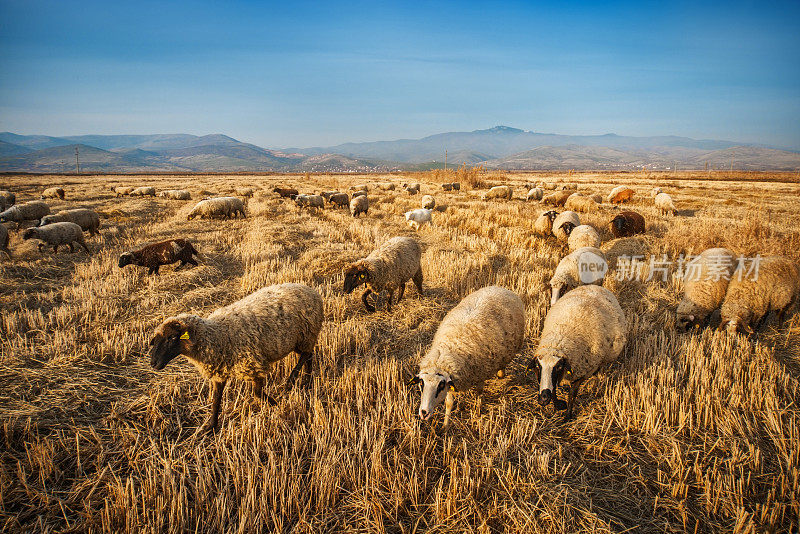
(445, 160)
(77, 161)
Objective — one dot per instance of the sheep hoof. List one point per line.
(559, 404)
(207, 429)
(500, 373)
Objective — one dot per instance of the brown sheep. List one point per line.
(158, 254)
(285, 192)
(626, 224)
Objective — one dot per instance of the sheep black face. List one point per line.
(685, 322)
(354, 276)
(619, 223)
(126, 259)
(170, 340)
(567, 227)
(549, 372)
(30, 233)
(434, 388)
(552, 214)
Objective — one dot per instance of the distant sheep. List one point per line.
(498, 191)
(341, 200)
(146, 191)
(564, 216)
(387, 268)
(583, 266)
(597, 197)
(454, 186)
(750, 297)
(57, 234)
(359, 205)
(557, 199)
(53, 192)
(28, 211)
(474, 342)
(310, 201)
(418, 217)
(583, 331)
(664, 204)
(328, 194)
(7, 199)
(359, 193)
(578, 202)
(359, 187)
(244, 339)
(412, 189)
(626, 224)
(387, 186)
(176, 194)
(87, 219)
(706, 281)
(158, 254)
(428, 202)
(534, 194)
(620, 194)
(218, 208)
(123, 190)
(245, 192)
(285, 192)
(544, 223)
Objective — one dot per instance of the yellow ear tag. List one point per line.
(185, 335)
(569, 373)
(452, 388)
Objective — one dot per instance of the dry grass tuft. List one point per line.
(697, 433)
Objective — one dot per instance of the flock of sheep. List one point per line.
(584, 329)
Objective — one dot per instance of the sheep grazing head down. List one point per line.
(30, 233)
(686, 322)
(567, 227)
(434, 388)
(549, 371)
(355, 275)
(735, 325)
(126, 259)
(171, 338)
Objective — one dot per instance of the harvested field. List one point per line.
(697, 433)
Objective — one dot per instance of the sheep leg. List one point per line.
(370, 308)
(71, 248)
(304, 356)
(308, 370)
(449, 400)
(389, 301)
(418, 280)
(258, 391)
(401, 292)
(573, 392)
(216, 399)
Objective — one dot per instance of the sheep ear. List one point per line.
(414, 381)
(747, 328)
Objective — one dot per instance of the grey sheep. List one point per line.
(28, 211)
(706, 281)
(428, 202)
(582, 331)
(145, 191)
(328, 194)
(498, 191)
(53, 192)
(563, 217)
(87, 219)
(578, 202)
(176, 194)
(535, 193)
(586, 265)
(359, 205)
(57, 234)
(543, 225)
(310, 201)
(243, 339)
(359, 193)
(412, 189)
(387, 268)
(7, 199)
(218, 207)
(341, 200)
(750, 297)
(664, 204)
(474, 342)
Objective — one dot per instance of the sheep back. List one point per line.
(564, 216)
(87, 219)
(53, 192)
(499, 191)
(583, 236)
(428, 202)
(359, 205)
(478, 337)
(559, 198)
(176, 194)
(578, 202)
(626, 224)
(535, 194)
(393, 263)
(664, 203)
(60, 233)
(7, 199)
(706, 281)
(619, 194)
(28, 211)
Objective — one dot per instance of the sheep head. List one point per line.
(355, 275)
(552, 214)
(434, 387)
(549, 370)
(567, 227)
(172, 337)
(126, 258)
(30, 233)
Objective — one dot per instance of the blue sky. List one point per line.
(304, 74)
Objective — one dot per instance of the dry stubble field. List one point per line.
(694, 433)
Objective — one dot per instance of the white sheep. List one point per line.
(534, 194)
(428, 202)
(218, 207)
(587, 265)
(579, 202)
(28, 211)
(176, 194)
(774, 286)
(145, 191)
(476, 340)
(582, 331)
(656, 191)
(243, 339)
(53, 192)
(543, 225)
(563, 217)
(498, 191)
(706, 280)
(359, 204)
(57, 234)
(122, 190)
(418, 217)
(664, 204)
(581, 236)
(87, 219)
(387, 268)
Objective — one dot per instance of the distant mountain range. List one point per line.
(500, 147)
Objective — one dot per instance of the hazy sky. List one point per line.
(302, 74)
